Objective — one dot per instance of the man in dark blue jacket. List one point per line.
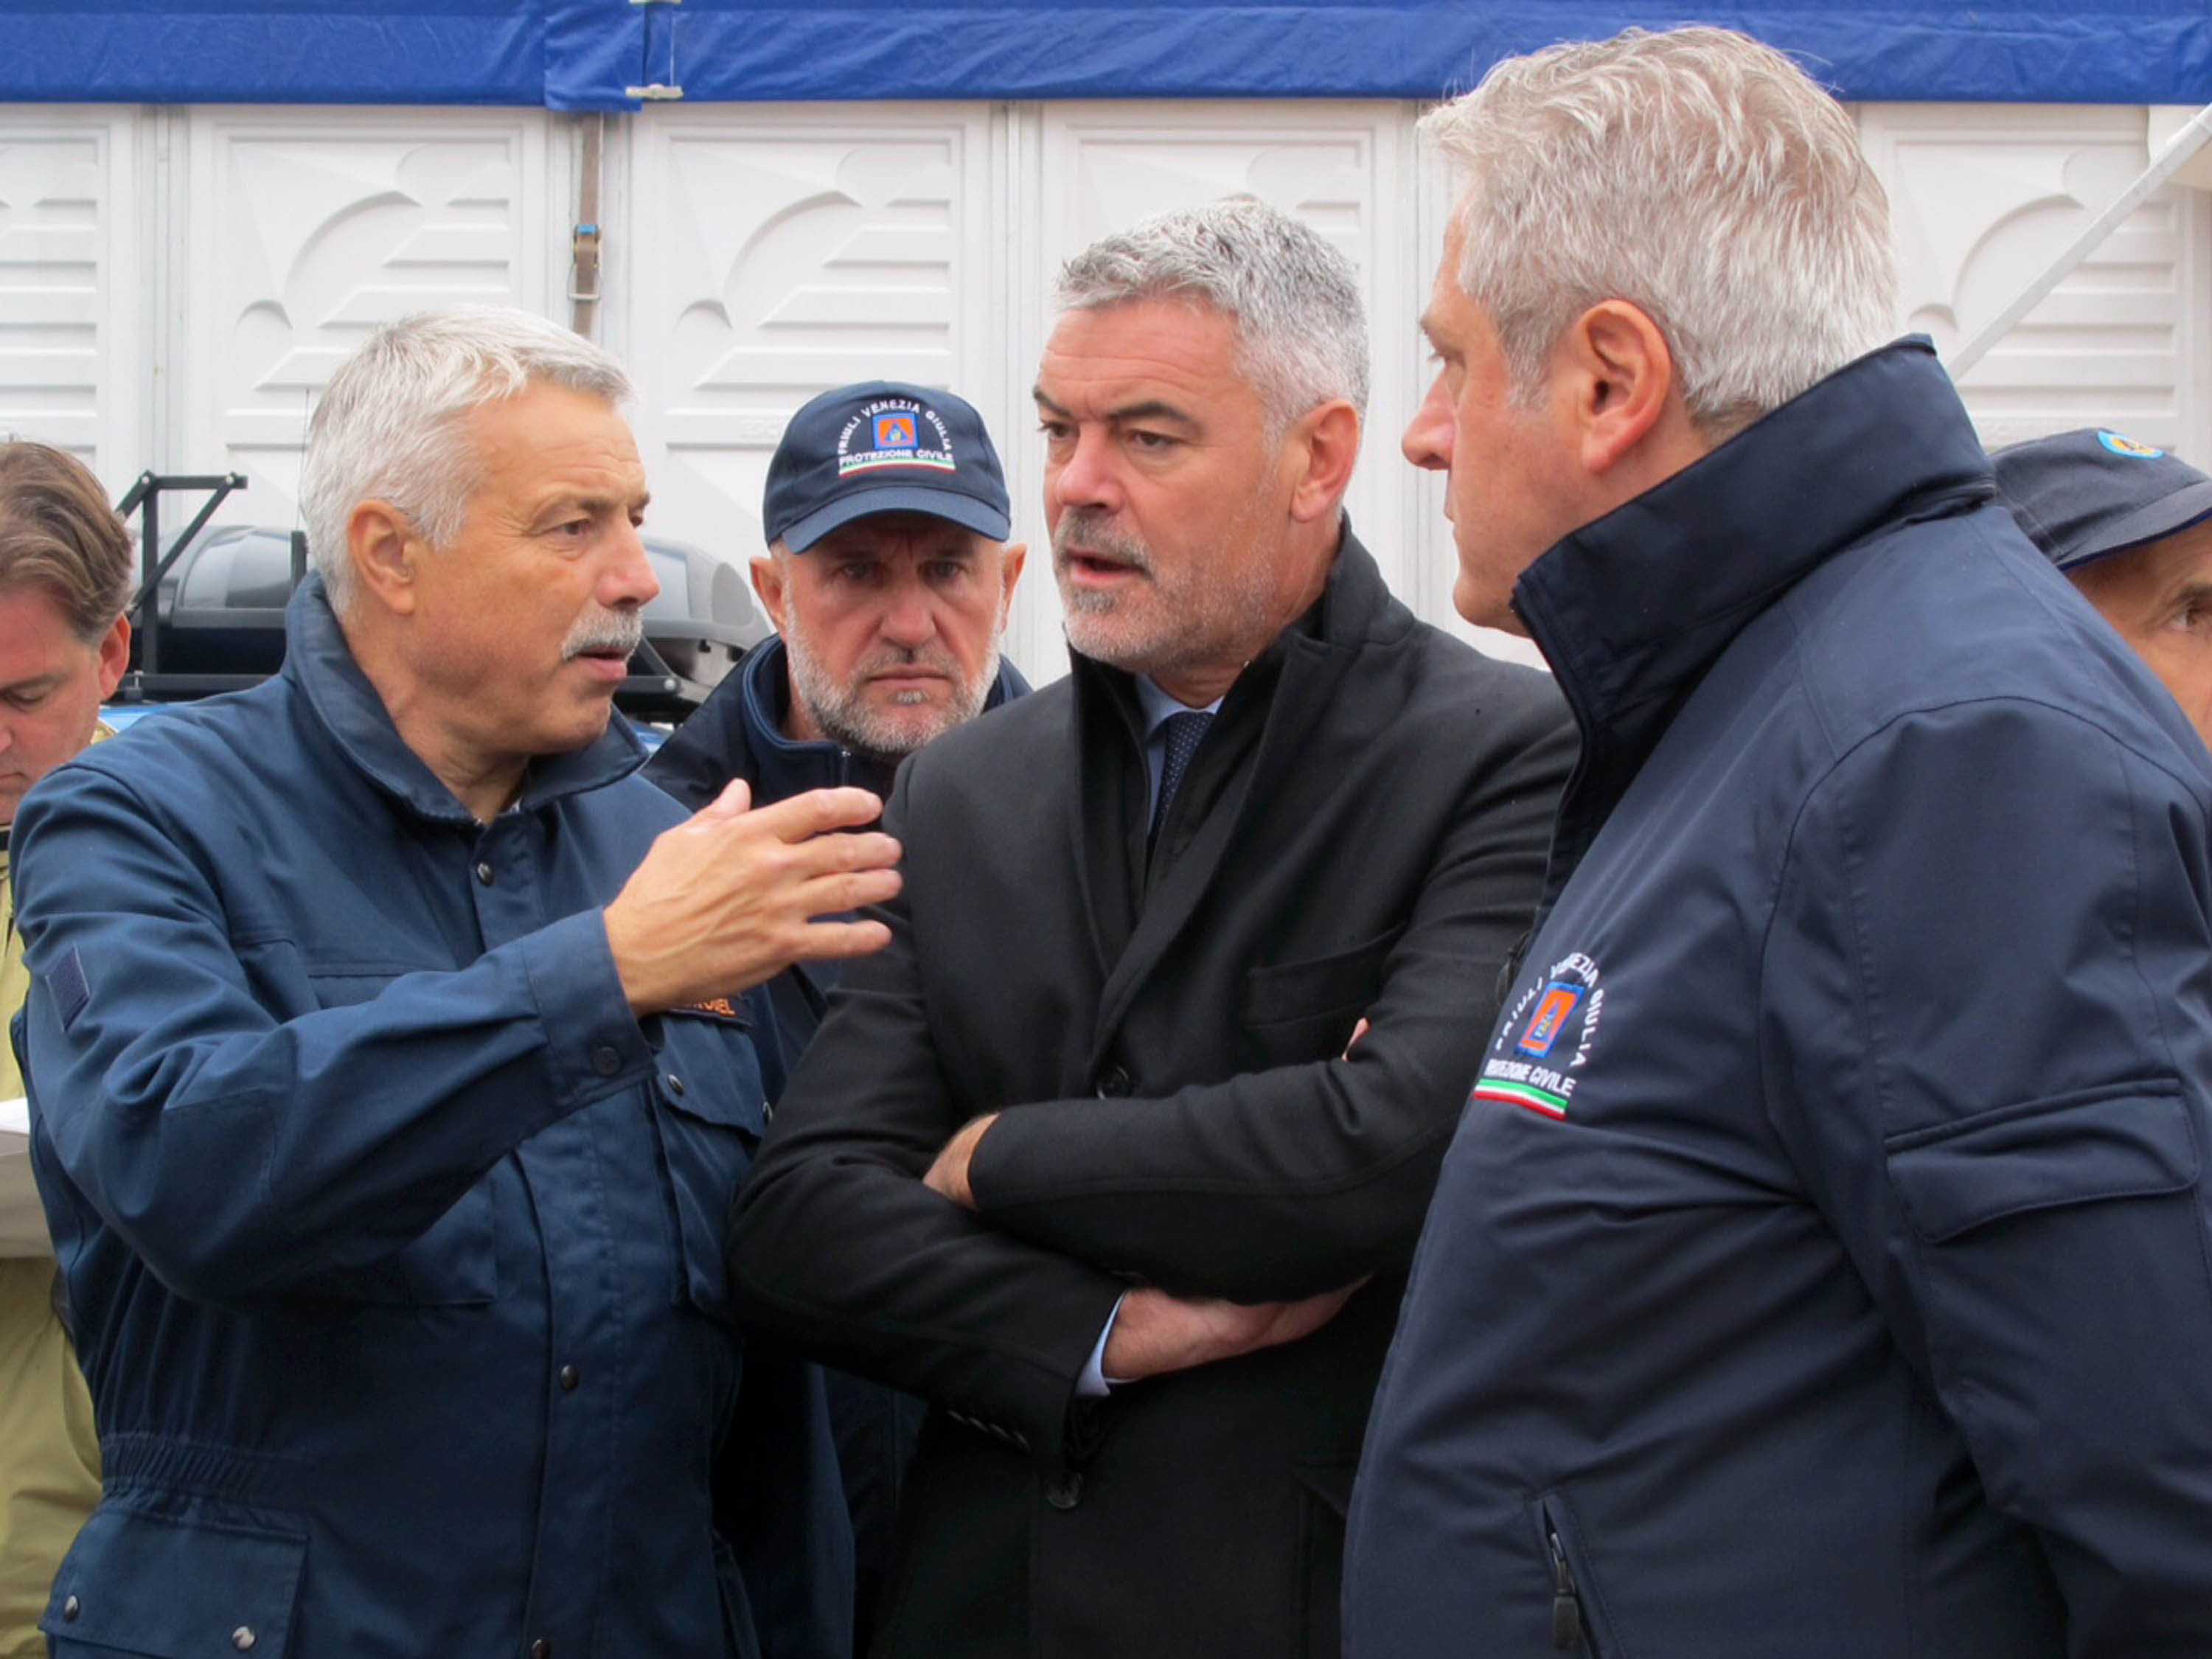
(887, 629)
(387, 1122)
(1821, 1268)
(889, 578)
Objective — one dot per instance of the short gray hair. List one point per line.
(1696, 174)
(386, 428)
(1301, 328)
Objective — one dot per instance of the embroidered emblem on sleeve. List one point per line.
(1537, 1056)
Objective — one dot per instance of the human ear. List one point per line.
(1620, 376)
(383, 548)
(768, 574)
(114, 656)
(1011, 557)
(1326, 440)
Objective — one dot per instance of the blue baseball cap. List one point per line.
(882, 447)
(2089, 494)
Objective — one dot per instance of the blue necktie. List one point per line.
(1183, 733)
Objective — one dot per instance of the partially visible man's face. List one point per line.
(1168, 497)
(1509, 489)
(890, 626)
(524, 623)
(2158, 598)
(51, 685)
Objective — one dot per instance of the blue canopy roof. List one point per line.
(592, 54)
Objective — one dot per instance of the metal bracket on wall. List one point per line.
(2192, 137)
(584, 244)
(144, 498)
(667, 88)
(584, 252)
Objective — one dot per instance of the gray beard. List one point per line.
(846, 719)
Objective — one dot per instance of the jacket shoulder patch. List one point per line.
(70, 991)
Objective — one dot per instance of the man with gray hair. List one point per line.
(1098, 1157)
(392, 1067)
(1820, 1266)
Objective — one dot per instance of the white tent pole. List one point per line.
(2184, 144)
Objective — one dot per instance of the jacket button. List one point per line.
(243, 1638)
(570, 1377)
(1116, 1083)
(483, 873)
(675, 1085)
(606, 1061)
(1066, 1492)
(71, 1608)
(541, 1648)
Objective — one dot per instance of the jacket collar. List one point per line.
(1137, 905)
(1632, 609)
(784, 766)
(317, 660)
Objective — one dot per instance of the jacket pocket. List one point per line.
(1578, 1622)
(169, 1588)
(2138, 1143)
(708, 1111)
(1301, 1010)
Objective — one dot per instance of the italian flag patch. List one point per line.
(1520, 1094)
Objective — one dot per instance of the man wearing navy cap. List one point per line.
(2131, 527)
(889, 577)
(889, 627)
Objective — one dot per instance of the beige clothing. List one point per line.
(49, 1453)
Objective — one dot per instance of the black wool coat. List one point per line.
(1361, 835)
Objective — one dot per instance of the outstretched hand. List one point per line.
(729, 899)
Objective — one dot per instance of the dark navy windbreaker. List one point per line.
(737, 733)
(1820, 1271)
(394, 1241)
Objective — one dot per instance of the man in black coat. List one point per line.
(1118, 1154)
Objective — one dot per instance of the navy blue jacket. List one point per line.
(1820, 1268)
(737, 733)
(394, 1240)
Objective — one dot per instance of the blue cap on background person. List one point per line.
(2087, 494)
(882, 447)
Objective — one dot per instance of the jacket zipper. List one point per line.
(1566, 1604)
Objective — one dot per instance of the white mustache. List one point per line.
(601, 629)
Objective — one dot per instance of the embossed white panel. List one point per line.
(778, 251)
(70, 295)
(1985, 196)
(309, 228)
(175, 285)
